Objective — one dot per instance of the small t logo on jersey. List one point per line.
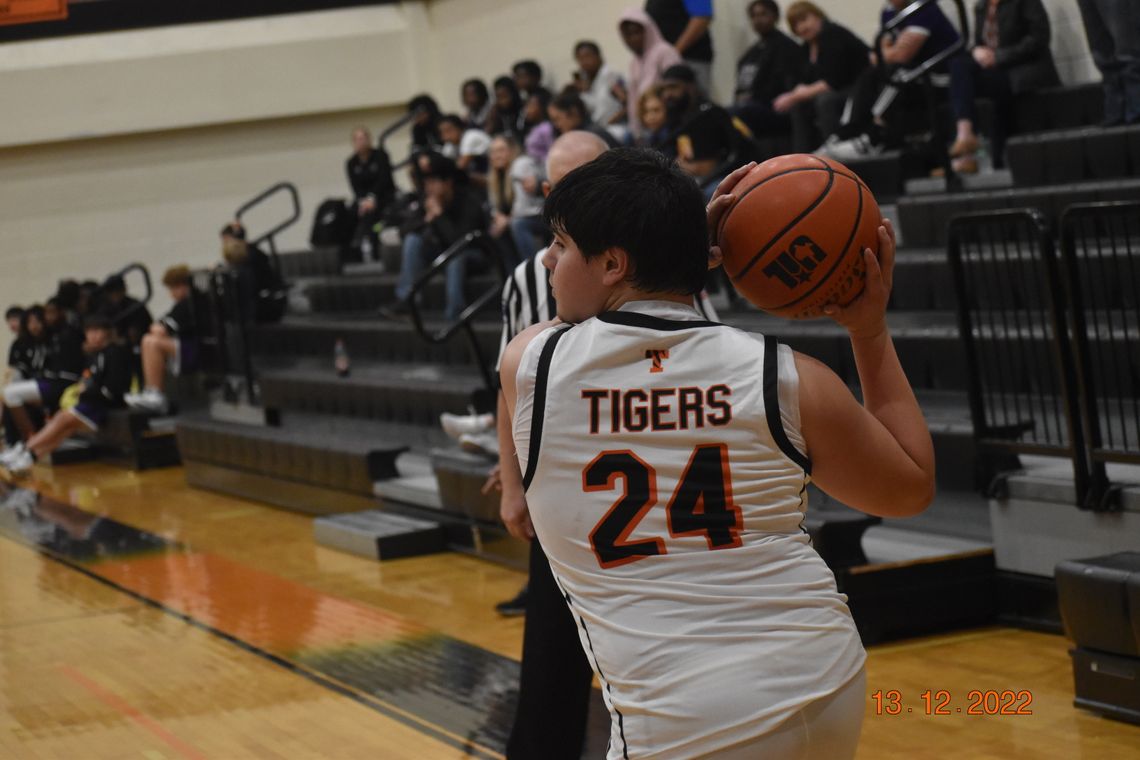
(658, 355)
(796, 265)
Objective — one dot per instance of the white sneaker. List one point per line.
(480, 443)
(150, 400)
(11, 453)
(849, 150)
(20, 463)
(457, 425)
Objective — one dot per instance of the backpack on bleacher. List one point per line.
(334, 224)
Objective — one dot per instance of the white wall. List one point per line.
(139, 145)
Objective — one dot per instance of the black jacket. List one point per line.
(842, 57)
(190, 317)
(65, 359)
(27, 357)
(768, 69)
(372, 178)
(464, 214)
(132, 319)
(1023, 43)
(108, 377)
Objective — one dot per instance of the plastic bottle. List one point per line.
(340, 359)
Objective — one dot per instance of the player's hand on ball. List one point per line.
(721, 201)
(515, 514)
(866, 316)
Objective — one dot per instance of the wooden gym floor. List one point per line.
(143, 619)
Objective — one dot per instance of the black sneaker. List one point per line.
(513, 607)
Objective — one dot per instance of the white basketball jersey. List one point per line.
(666, 482)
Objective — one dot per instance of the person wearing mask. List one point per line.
(477, 100)
(105, 381)
(597, 82)
(1010, 56)
(568, 113)
(771, 67)
(867, 127)
(452, 209)
(685, 25)
(174, 342)
(835, 58)
(369, 173)
(652, 55)
(1113, 31)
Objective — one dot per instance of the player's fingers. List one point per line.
(715, 211)
(874, 271)
(716, 257)
(886, 256)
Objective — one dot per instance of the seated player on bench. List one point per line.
(62, 366)
(174, 341)
(665, 462)
(105, 381)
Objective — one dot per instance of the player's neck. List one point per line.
(627, 294)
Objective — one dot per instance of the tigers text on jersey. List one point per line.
(666, 482)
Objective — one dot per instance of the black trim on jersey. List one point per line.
(541, 378)
(601, 675)
(650, 322)
(772, 404)
(700, 304)
(532, 289)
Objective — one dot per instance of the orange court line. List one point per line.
(123, 707)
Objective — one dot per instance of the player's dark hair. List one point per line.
(14, 311)
(588, 45)
(67, 294)
(114, 284)
(36, 311)
(570, 100)
(771, 5)
(637, 200)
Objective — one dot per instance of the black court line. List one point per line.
(326, 682)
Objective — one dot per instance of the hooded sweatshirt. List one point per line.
(646, 69)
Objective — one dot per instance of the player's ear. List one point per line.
(617, 266)
(716, 257)
(546, 188)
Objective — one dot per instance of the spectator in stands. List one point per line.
(1010, 56)
(684, 102)
(260, 289)
(651, 56)
(1113, 31)
(105, 381)
(771, 67)
(568, 113)
(173, 342)
(425, 125)
(538, 131)
(685, 25)
(67, 297)
(528, 77)
(504, 118)
(477, 100)
(515, 189)
(452, 209)
(709, 148)
(597, 83)
(129, 315)
(15, 317)
(466, 146)
(651, 113)
(370, 175)
(835, 58)
(62, 366)
(869, 126)
(89, 298)
(25, 360)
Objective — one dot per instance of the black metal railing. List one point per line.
(463, 323)
(1011, 313)
(392, 129)
(1100, 246)
(269, 237)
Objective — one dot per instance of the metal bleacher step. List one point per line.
(414, 394)
(310, 463)
(1075, 155)
(366, 336)
(332, 295)
(380, 535)
(995, 179)
(925, 219)
(314, 262)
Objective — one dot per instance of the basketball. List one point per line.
(793, 240)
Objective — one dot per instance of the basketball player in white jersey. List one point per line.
(666, 460)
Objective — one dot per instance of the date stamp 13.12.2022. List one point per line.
(943, 702)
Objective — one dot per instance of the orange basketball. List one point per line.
(793, 241)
